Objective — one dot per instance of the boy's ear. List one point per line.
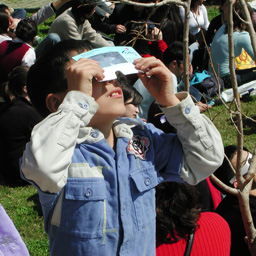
(25, 89)
(53, 100)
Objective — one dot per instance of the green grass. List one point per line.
(221, 118)
(23, 207)
(212, 11)
(22, 204)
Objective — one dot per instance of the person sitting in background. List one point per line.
(4, 27)
(101, 20)
(123, 14)
(149, 43)
(220, 49)
(41, 15)
(14, 15)
(18, 51)
(173, 59)
(198, 24)
(145, 38)
(217, 22)
(17, 119)
(229, 208)
(198, 19)
(74, 24)
(181, 226)
(172, 25)
(132, 99)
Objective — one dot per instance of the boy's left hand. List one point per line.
(157, 78)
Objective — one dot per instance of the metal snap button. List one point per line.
(187, 110)
(88, 192)
(147, 181)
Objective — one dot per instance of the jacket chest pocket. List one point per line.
(83, 207)
(143, 195)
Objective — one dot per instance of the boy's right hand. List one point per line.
(80, 75)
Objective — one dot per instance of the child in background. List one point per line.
(132, 99)
(95, 172)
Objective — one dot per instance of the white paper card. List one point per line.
(112, 59)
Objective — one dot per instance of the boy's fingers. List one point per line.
(88, 68)
(143, 78)
(148, 63)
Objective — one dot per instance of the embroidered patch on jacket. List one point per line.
(138, 146)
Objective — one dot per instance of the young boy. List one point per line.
(96, 173)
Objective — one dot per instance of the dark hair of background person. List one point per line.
(238, 16)
(193, 3)
(225, 172)
(132, 93)
(47, 75)
(222, 2)
(173, 52)
(17, 80)
(82, 13)
(3, 7)
(156, 117)
(26, 30)
(177, 211)
(172, 25)
(4, 22)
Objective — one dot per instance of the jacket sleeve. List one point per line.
(201, 142)
(43, 14)
(91, 35)
(205, 15)
(48, 154)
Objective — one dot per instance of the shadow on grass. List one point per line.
(37, 205)
(43, 31)
(249, 126)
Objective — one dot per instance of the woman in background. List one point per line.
(181, 224)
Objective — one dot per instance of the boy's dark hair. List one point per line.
(81, 12)
(178, 210)
(47, 75)
(173, 52)
(225, 172)
(132, 93)
(26, 30)
(4, 22)
(17, 80)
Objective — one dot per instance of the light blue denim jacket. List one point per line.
(98, 201)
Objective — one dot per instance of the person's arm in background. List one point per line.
(47, 11)
(205, 15)
(243, 40)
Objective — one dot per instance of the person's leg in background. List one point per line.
(19, 13)
(50, 40)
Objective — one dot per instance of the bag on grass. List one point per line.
(206, 83)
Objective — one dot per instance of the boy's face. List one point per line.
(109, 96)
